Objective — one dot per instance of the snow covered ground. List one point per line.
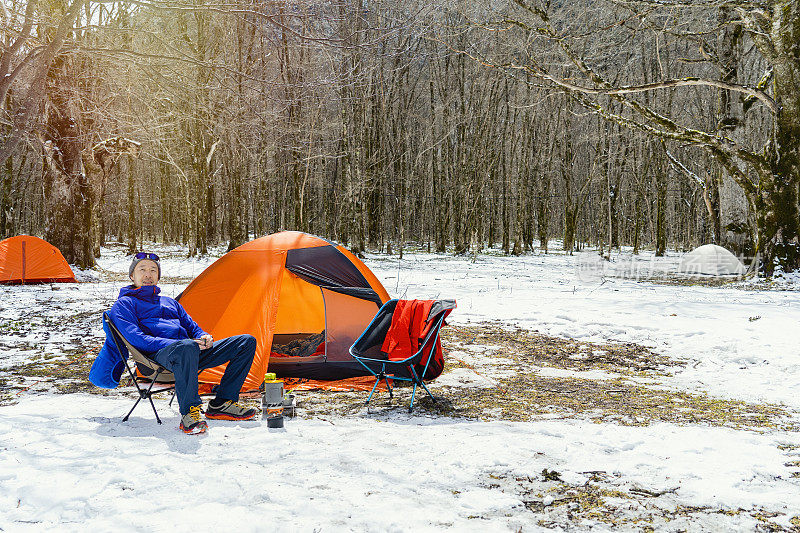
(740, 343)
(68, 463)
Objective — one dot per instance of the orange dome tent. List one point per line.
(26, 259)
(304, 299)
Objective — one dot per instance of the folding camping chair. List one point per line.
(146, 366)
(367, 349)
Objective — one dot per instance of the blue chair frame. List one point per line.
(401, 370)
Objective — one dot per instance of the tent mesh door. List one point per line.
(346, 317)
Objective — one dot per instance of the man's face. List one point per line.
(145, 273)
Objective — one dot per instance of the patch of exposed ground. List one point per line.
(731, 282)
(631, 395)
(742, 284)
(62, 374)
(532, 348)
(621, 505)
(525, 398)
(49, 352)
(520, 391)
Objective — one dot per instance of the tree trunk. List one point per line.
(68, 225)
(711, 200)
(637, 217)
(133, 244)
(236, 205)
(776, 206)
(165, 200)
(661, 212)
(570, 227)
(730, 219)
(98, 163)
(5, 198)
(542, 213)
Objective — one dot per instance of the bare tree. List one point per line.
(768, 174)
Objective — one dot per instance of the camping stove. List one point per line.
(272, 401)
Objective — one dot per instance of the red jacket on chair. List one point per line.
(408, 329)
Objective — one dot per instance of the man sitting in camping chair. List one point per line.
(161, 329)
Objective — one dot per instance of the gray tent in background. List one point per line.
(711, 260)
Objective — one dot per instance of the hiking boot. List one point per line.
(192, 422)
(229, 411)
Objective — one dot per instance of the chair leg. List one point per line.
(413, 393)
(154, 409)
(132, 408)
(173, 398)
(139, 389)
(145, 393)
(433, 398)
(418, 381)
(377, 380)
(150, 395)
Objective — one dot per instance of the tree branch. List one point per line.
(6, 77)
(667, 84)
(23, 121)
(683, 169)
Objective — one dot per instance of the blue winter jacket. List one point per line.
(149, 322)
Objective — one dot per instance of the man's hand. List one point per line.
(205, 342)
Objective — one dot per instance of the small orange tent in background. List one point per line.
(26, 259)
(285, 288)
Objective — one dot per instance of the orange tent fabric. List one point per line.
(363, 383)
(26, 259)
(251, 290)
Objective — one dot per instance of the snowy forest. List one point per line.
(400, 265)
(451, 125)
